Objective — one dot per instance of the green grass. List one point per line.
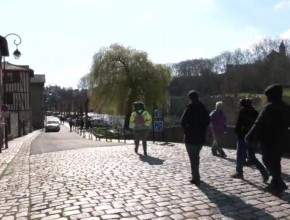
(286, 92)
(286, 99)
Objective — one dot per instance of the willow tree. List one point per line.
(119, 76)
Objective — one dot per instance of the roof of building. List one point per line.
(17, 68)
(38, 78)
(4, 47)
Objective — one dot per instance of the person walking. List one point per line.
(194, 121)
(140, 122)
(70, 124)
(88, 124)
(218, 127)
(271, 130)
(81, 124)
(246, 118)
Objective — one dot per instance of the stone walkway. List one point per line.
(13, 148)
(115, 183)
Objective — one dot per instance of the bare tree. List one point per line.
(196, 67)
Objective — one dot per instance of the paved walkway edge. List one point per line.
(15, 146)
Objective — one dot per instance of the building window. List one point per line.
(8, 98)
(12, 77)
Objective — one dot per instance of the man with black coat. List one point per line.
(271, 130)
(246, 119)
(194, 122)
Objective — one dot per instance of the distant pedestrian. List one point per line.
(89, 124)
(140, 122)
(81, 124)
(70, 124)
(194, 121)
(61, 119)
(271, 130)
(246, 119)
(218, 126)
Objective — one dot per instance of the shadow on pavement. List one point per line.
(231, 205)
(151, 160)
(254, 185)
(284, 196)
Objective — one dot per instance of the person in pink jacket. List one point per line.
(218, 127)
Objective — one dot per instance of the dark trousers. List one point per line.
(244, 149)
(217, 145)
(272, 160)
(193, 151)
(144, 144)
(141, 135)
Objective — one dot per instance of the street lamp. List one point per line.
(16, 55)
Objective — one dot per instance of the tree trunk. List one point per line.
(127, 121)
(86, 113)
(130, 101)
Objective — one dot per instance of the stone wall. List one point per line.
(175, 134)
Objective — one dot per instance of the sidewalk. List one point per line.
(14, 147)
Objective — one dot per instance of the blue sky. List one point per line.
(60, 37)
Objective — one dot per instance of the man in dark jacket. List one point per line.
(194, 122)
(271, 130)
(246, 119)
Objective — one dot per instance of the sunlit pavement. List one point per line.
(115, 183)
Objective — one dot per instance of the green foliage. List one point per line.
(84, 82)
(119, 76)
(64, 100)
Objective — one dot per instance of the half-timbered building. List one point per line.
(16, 93)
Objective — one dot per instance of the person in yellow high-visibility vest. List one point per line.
(140, 122)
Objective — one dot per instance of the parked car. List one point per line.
(100, 123)
(52, 126)
(76, 121)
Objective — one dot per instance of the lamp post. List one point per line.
(48, 104)
(16, 55)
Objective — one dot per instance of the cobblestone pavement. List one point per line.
(115, 183)
(13, 148)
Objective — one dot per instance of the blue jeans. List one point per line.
(242, 149)
(193, 151)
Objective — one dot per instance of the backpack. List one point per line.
(139, 121)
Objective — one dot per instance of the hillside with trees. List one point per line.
(232, 75)
(121, 75)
